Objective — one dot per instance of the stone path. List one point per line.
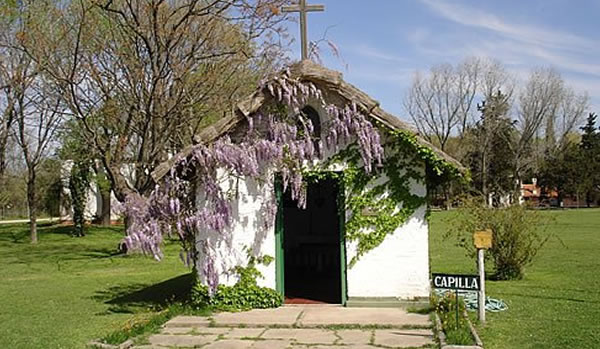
(314, 327)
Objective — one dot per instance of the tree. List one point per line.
(490, 158)
(571, 111)
(7, 29)
(35, 107)
(6, 118)
(142, 77)
(439, 104)
(561, 171)
(590, 159)
(38, 115)
(548, 112)
(13, 190)
(575, 169)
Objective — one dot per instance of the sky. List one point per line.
(383, 42)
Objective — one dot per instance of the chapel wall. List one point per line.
(399, 266)
(248, 230)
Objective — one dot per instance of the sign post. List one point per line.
(456, 282)
(482, 241)
(481, 296)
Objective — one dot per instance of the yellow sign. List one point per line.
(482, 239)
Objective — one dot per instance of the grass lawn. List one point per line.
(557, 304)
(66, 291)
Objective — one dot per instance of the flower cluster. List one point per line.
(151, 217)
(348, 123)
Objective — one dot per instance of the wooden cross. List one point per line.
(303, 8)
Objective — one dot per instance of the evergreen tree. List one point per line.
(590, 140)
(560, 171)
(589, 169)
(491, 157)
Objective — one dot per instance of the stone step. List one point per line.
(308, 317)
(387, 303)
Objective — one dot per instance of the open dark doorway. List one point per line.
(311, 244)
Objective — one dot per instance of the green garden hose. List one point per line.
(470, 298)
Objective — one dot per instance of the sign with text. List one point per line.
(456, 282)
(483, 239)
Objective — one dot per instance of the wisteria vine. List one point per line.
(278, 137)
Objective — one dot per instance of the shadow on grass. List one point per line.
(57, 244)
(545, 288)
(59, 253)
(126, 298)
(554, 298)
(104, 253)
(19, 233)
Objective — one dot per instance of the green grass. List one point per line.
(139, 328)
(65, 291)
(557, 304)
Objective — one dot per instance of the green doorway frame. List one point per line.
(279, 233)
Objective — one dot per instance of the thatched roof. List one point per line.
(327, 80)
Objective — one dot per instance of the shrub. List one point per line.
(244, 295)
(456, 332)
(236, 298)
(517, 236)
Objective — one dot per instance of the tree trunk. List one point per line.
(118, 182)
(484, 184)
(4, 133)
(447, 198)
(3, 142)
(31, 205)
(588, 199)
(104, 188)
(560, 198)
(120, 187)
(105, 214)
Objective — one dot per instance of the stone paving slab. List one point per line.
(188, 321)
(315, 316)
(177, 330)
(230, 344)
(302, 335)
(244, 333)
(273, 344)
(354, 336)
(224, 331)
(358, 346)
(283, 316)
(407, 338)
(184, 340)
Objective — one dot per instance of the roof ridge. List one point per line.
(313, 72)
